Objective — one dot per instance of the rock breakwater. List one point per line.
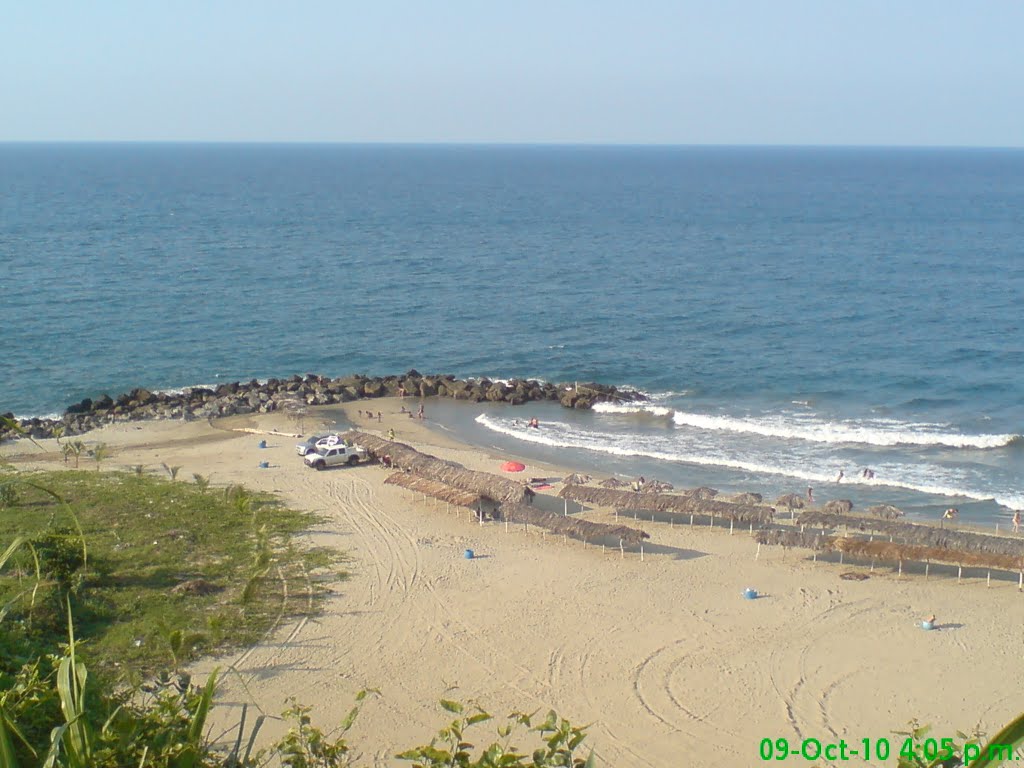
(297, 392)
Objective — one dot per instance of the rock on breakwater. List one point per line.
(297, 391)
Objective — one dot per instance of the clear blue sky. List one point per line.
(865, 72)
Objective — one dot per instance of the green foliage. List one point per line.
(172, 472)
(305, 746)
(8, 493)
(146, 537)
(61, 556)
(920, 751)
(75, 448)
(202, 483)
(99, 452)
(560, 743)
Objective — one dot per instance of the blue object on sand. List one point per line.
(927, 625)
(750, 593)
(264, 465)
(469, 554)
(263, 443)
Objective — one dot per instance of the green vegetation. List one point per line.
(167, 568)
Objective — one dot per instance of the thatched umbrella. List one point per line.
(577, 479)
(899, 552)
(435, 489)
(657, 486)
(925, 537)
(838, 506)
(570, 526)
(665, 502)
(613, 482)
(702, 493)
(885, 511)
(791, 501)
(449, 472)
(746, 498)
(791, 538)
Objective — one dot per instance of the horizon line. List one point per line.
(509, 144)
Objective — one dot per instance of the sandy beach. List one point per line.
(663, 656)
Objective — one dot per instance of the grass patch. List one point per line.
(173, 570)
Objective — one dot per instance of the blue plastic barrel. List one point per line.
(927, 625)
(750, 593)
(263, 443)
(264, 465)
(469, 554)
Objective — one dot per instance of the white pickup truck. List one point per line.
(324, 456)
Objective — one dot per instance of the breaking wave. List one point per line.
(880, 432)
(656, 410)
(924, 479)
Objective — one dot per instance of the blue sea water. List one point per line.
(793, 311)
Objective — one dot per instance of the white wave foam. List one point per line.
(54, 416)
(657, 410)
(878, 432)
(560, 435)
(182, 390)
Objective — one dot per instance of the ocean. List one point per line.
(792, 312)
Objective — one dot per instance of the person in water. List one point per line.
(534, 423)
(840, 476)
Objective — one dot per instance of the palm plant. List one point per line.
(99, 452)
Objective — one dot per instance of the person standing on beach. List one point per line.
(810, 495)
(420, 414)
(1016, 521)
(379, 416)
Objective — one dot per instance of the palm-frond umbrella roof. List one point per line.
(885, 511)
(406, 457)
(789, 537)
(929, 537)
(570, 525)
(838, 506)
(434, 489)
(577, 479)
(665, 502)
(791, 501)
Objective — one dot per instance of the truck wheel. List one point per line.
(353, 460)
(320, 466)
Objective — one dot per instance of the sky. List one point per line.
(809, 72)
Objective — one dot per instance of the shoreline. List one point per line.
(297, 393)
(652, 652)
